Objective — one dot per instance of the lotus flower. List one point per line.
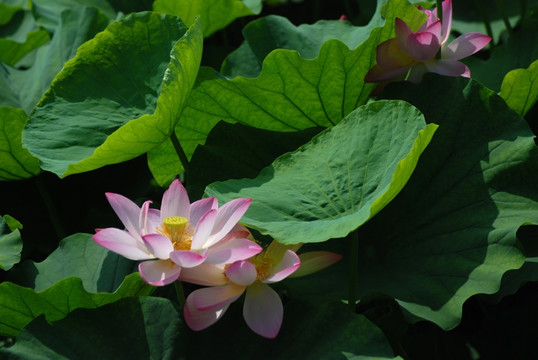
(412, 54)
(262, 309)
(179, 235)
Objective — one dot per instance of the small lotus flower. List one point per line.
(262, 309)
(179, 235)
(412, 54)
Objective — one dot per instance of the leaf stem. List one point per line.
(485, 18)
(353, 270)
(180, 293)
(180, 152)
(506, 22)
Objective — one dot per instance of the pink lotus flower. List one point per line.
(262, 309)
(412, 54)
(179, 235)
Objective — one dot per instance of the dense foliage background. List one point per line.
(447, 257)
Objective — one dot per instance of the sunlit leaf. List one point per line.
(119, 97)
(290, 94)
(520, 88)
(339, 180)
(214, 14)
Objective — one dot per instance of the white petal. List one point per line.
(226, 252)
(175, 201)
(216, 297)
(200, 207)
(204, 274)
(227, 217)
(263, 310)
(203, 230)
(159, 245)
(199, 320)
(123, 243)
(188, 259)
(159, 272)
(290, 262)
(242, 272)
(127, 211)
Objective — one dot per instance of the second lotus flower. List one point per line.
(412, 54)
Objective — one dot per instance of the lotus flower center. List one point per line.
(263, 266)
(177, 229)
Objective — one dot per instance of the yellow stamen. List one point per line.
(176, 228)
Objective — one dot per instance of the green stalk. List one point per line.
(180, 152)
(485, 19)
(440, 17)
(506, 22)
(180, 293)
(522, 9)
(440, 10)
(353, 270)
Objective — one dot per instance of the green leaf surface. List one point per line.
(145, 328)
(15, 161)
(7, 11)
(252, 150)
(119, 97)
(10, 242)
(77, 255)
(290, 94)
(20, 305)
(134, 328)
(339, 180)
(24, 88)
(11, 51)
(451, 232)
(520, 88)
(275, 32)
(214, 14)
(48, 14)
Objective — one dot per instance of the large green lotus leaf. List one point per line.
(335, 183)
(214, 14)
(7, 11)
(77, 255)
(520, 88)
(19, 305)
(275, 32)
(133, 328)
(252, 150)
(518, 52)
(24, 88)
(12, 51)
(15, 161)
(48, 14)
(20, 35)
(451, 232)
(145, 328)
(290, 94)
(119, 97)
(10, 242)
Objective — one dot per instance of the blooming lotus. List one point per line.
(262, 310)
(412, 54)
(179, 235)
